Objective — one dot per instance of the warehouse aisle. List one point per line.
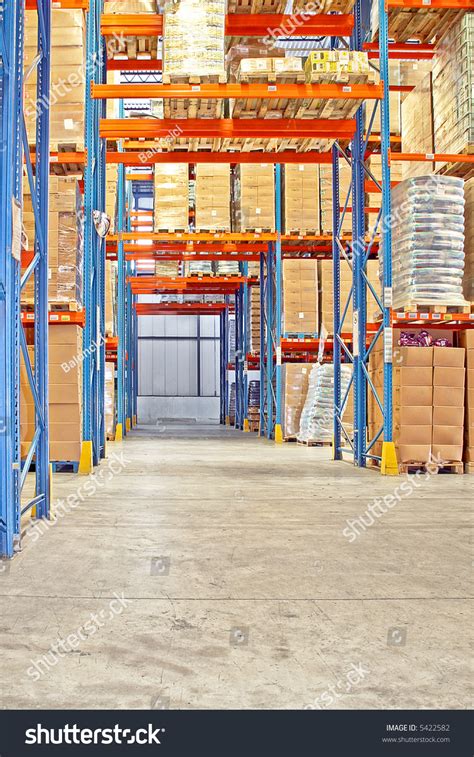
(203, 568)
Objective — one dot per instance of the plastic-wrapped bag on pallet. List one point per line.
(428, 241)
(317, 417)
(194, 38)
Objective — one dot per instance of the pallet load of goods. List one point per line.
(317, 415)
(171, 197)
(254, 198)
(212, 197)
(132, 47)
(300, 298)
(65, 396)
(301, 199)
(68, 76)
(253, 413)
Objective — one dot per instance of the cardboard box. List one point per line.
(450, 396)
(448, 357)
(448, 377)
(448, 416)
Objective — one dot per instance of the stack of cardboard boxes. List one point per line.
(254, 195)
(171, 197)
(300, 297)
(255, 319)
(110, 400)
(453, 94)
(65, 241)
(325, 183)
(111, 194)
(417, 128)
(374, 199)
(301, 198)
(294, 390)
(68, 92)
(327, 294)
(428, 402)
(213, 197)
(467, 341)
(65, 395)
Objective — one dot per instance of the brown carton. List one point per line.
(449, 377)
(449, 357)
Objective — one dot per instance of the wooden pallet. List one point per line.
(134, 47)
(65, 466)
(334, 109)
(311, 443)
(289, 439)
(422, 24)
(193, 107)
(261, 108)
(447, 467)
(28, 303)
(421, 309)
(66, 169)
(254, 426)
(468, 467)
(461, 170)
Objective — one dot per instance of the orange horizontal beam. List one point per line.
(284, 157)
(237, 25)
(430, 157)
(238, 91)
(57, 317)
(139, 177)
(231, 236)
(61, 4)
(62, 158)
(179, 308)
(228, 128)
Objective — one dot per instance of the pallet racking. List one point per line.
(354, 142)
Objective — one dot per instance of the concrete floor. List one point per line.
(244, 591)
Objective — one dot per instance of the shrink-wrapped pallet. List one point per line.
(301, 198)
(317, 416)
(110, 400)
(171, 197)
(294, 390)
(65, 241)
(254, 197)
(428, 241)
(194, 38)
(453, 88)
(469, 240)
(213, 197)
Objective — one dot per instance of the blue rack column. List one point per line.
(278, 306)
(121, 315)
(40, 198)
(269, 324)
(262, 345)
(389, 465)
(358, 266)
(11, 34)
(226, 360)
(336, 275)
(93, 446)
(245, 349)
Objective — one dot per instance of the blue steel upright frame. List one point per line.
(121, 315)
(13, 149)
(357, 256)
(93, 446)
